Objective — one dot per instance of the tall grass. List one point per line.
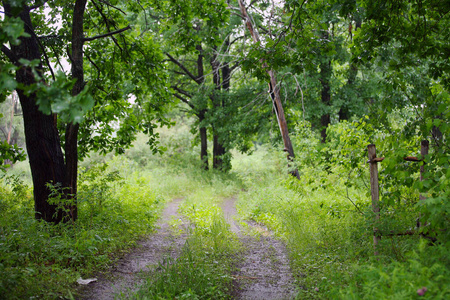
(327, 223)
(204, 268)
(324, 218)
(201, 272)
(42, 260)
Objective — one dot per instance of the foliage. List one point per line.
(11, 154)
(42, 260)
(326, 217)
(424, 273)
(203, 269)
(385, 65)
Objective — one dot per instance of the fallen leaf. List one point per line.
(85, 281)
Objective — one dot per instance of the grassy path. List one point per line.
(263, 270)
(127, 274)
(260, 263)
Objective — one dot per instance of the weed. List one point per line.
(203, 269)
(43, 260)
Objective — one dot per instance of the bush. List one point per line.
(43, 260)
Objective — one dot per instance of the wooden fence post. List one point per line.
(374, 188)
(424, 146)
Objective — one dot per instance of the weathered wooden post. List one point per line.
(424, 146)
(374, 188)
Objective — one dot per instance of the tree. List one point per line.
(68, 98)
(274, 91)
(202, 67)
(409, 41)
(42, 138)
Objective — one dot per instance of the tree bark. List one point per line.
(374, 188)
(71, 135)
(218, 147)
(344, 113)
(325, 75)
(274, 93)
(203, 140)
(41, 135)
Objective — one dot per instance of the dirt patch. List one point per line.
(264, 271)
(126, 275)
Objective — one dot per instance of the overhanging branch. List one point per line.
(184, 100)
(12, 57)
(181, 91)
(37, 5)
(110, 5)
(107, 34)
(182, 67)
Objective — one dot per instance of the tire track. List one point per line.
(264, 271)
(126, 275)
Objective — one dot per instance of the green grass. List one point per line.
(204, 268)
(329, 239)
(44, 261)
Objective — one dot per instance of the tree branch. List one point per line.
(181, 91)
(184, 100)
(251, 3)
(237, 64)
(47, 61)
(10, 55)
(95, 65)
(57, 57)
(110, 5)
(236, 39)
(106, 34)
(177, 72)
(182, 67)
(264, 30)
(37, 5)
(107, 23)
(51, 36)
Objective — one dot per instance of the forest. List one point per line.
(221, 149)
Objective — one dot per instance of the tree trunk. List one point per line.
(218, 149)
(325, 75)
(41, 135)
(203, 140)
(275, 94)
(374, 188)
(71, 136)
(344, 113)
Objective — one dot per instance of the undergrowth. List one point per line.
(41, 260)
(325, 220)
(204, 268)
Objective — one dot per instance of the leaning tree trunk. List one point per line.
(274, 93)
(41, 135)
